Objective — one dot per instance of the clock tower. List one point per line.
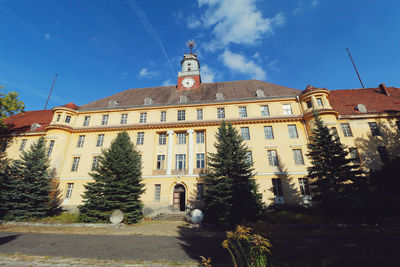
(189, 77)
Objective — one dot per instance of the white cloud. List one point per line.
(207, 74)
(236, 21)
(148, 74)
(47, 36)
(193, 22)
(302, 4)
(168, 82)
(241, 64)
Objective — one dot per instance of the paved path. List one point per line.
(147, 248)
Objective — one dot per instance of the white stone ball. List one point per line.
(197, 216)
(116, 217)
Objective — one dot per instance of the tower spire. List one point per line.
(191, 44)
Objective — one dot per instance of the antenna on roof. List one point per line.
(51, 90)
(191, 44)
(355, 67)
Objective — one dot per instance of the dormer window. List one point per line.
(260, 93)
(219, 96)
(112, 104)
(182, 99)
(34, 126)
(148, 101)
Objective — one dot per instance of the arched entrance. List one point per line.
(179, 198)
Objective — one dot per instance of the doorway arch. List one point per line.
(179, 198)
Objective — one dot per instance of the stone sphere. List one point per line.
(197, 216)
(116, 217)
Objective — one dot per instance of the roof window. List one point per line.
(219, 96)
(148, 101)
(34, 126)
(112, 104)
(260, 93)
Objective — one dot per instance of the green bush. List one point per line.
(65, 217)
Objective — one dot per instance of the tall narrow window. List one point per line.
(287, 109)
(180, 161)
(221, 113)
(163, 116)
(143, 117)
(75, 164)
(304, 190)
(268, 132)
(354, 155)
(334, 132)
(375, 131)
(157, 192)
(319, 102)
(277, 186)
(160, 162)
(200, 161)
(199, 114)
(199, 137)
(242, 112)
(309, 104)
(181, 138)
(124, 118)
(264, 111)
(245, 133)
(23, 143)
(68, 119)
(293, 131)
(181, 115)
(86, 121)
(100, 140)
(249, 156)
(162, 139)
(95, 162)
(383, 154)
(81, 140)
(51, 146)
(70, 187)
(298, 157)
(200, 191)
(346, 130)
(104, 120)
(140, 138)
(272, 158)
(58, 117)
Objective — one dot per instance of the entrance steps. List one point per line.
(170, 217)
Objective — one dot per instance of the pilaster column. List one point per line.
(314, 102)
(169, 151)
(326, 102)
(190, 151)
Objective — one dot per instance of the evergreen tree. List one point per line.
(26, 185)
(117, 184)
(231, 193)
(337, 182)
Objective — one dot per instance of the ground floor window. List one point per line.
(304, 189)
(70, 187)
(277, 187)
(157, 192)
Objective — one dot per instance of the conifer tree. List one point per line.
(26, 185)
(231, 193)
(337, 180)
(117, 184)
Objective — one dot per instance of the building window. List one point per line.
(346, 130)
(70, 187)
(181, 138)
(124, 118)
(200, 161)
(200, 191)
(375, 131)
(264, 111)
(383, 154)
(95, 162)
(58, 117)
(199, 114)
(67, 119)
(298, 157)
(157, 192)
(272, 158)
(75, 164)
(354, 155)
(100, 139)
(398, 124)
(140, 138)
(277, 187)
(163, 116)
(181, 115)
(335, 132)
(160, 162)
(309, 104)
(23, 143)
(293, 131)
(104, 120)
(221, 113)
(180, 161)
(143, 117)
(304, 190)
(81, 140)
(199, 137)
(86, 121)
(319, 102)
(242, 112)
(249, 156)
(245, 133)
(162, 139)
(269, 133)
(287, 109)
(51, 146)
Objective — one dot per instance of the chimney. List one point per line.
(384, 89)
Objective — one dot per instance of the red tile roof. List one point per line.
(71, 106)
(22, 122)
(374, 99)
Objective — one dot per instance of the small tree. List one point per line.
(231, 193)
(9, 104)
(337, 181)
(117, 184)
(26, 185)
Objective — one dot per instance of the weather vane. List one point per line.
(191, 44)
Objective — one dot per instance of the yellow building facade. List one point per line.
(174, 128)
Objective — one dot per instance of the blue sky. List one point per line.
(102, 47)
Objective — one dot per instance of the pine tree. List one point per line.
(231, 193)
(337, 181)
(117, 184)
(26, 185)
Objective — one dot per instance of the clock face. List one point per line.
(188, 82)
